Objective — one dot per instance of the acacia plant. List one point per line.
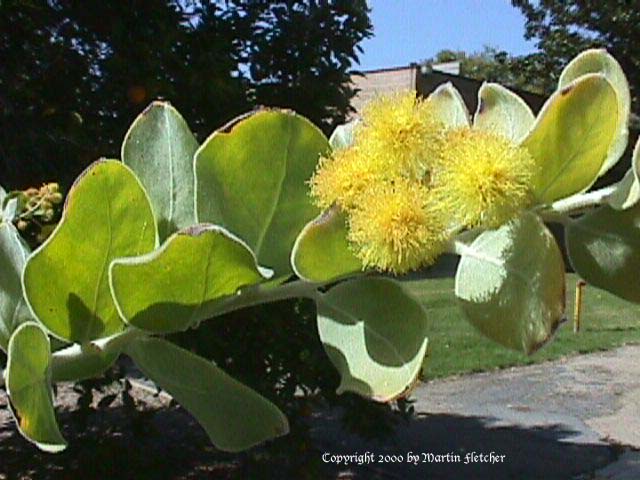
(267, 209)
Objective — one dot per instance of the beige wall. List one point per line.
(382, 81)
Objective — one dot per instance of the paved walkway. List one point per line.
(575, 418)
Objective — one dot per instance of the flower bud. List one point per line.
(56, 198)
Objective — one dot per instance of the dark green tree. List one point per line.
(44, 84)
(300, 54)
(75, 73)
(492, 65)
(563, 28)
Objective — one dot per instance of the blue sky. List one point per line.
(411, 30)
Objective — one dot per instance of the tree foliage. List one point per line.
(564, 28)
(299, 53)
(75, 73)
(494, 65)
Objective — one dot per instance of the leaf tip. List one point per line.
(482, 106)
(566, 90)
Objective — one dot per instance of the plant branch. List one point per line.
(70, 357)
(580, 203)
(259, 294)
(460, 242)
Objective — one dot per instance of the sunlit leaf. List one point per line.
(343, 135)
(321, 252)
(13, 308)
(171, 288)
(449, 106)
(28, 382)
(234, 416)
(253, 180)
(510, 284)
(627, 192)
(599, 61)
(502, 112)
(159, 148)
(375, 334)
(107, 215)
(571, 137)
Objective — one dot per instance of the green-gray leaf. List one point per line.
(571, 137)
(343, 135)
(13, 308)
(627, 192)
(159, 148)
(604, 248)
(375, 334)
(599, 61)
(7, 210)
(92, 359)
(10, 211)
(234, 416)
(449, 106)
(107, 215)
(321, 252)
(179, 284)
(28, 381)
(502, 112)
(510, 284)
(253, 180)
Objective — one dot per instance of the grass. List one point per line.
(455, 347)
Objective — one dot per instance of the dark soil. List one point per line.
(160, 441)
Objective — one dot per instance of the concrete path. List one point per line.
(576, 418)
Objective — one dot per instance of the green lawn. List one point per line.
(456, 347)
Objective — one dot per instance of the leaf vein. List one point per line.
(274, 208)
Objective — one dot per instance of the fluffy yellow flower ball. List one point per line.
(407, 184)
(398, 228)
(483, 178)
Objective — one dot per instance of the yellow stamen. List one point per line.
(483, 178)
(399, 137)
(397, 228)
(343, 177)
(407, 183)
(401, 132)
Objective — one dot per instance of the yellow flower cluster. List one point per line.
(484, 177)
(399, 228)
(407, 183)
(40, 212)
(400, 137)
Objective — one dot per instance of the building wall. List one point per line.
(389, 80)
(382, 81)
(468, 88)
